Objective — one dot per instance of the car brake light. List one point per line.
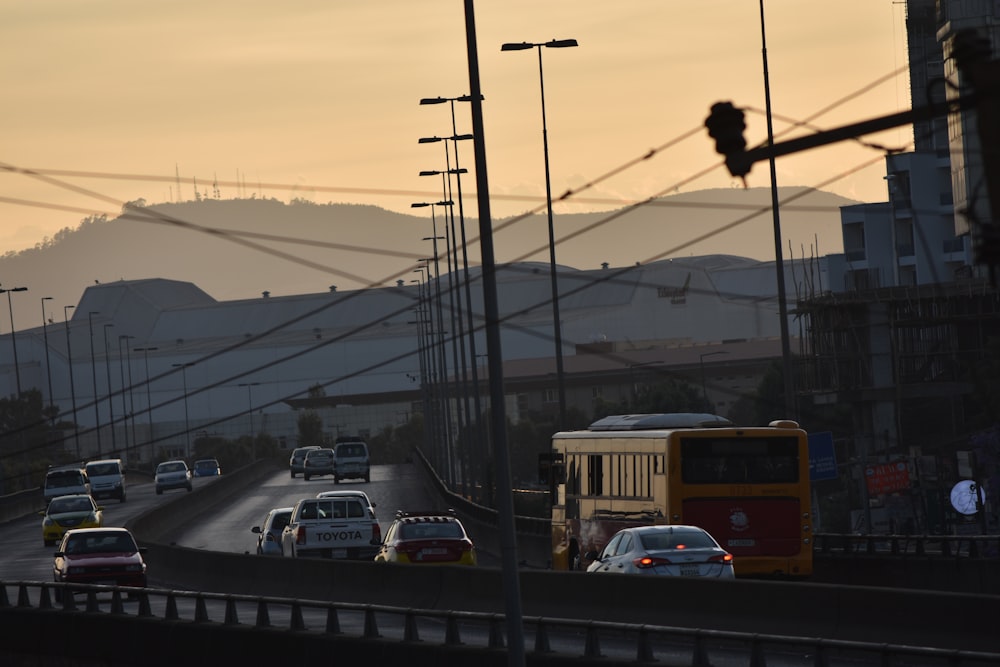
(376, 533)
(724, 558)
(647, 562)
(300, 535)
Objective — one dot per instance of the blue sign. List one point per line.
(822, 458)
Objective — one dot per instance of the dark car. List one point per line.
(99, 556)
(318, 462)
(296, 462)
(206, 468)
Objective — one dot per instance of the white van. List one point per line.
(65, 480)
(350, 460)
(107, 479)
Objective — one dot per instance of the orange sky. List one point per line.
(319, 99)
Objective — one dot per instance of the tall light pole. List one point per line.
(786, 348)
(93, 373)
(480, 441)
(149, 394)
(491, 315)
(442, 357)
(187, 420)
(462, 406)
(701, 363)
(556, 324)
(111, 405)
(250, 386)
(125, 410)
(45, 340)
(13, 339)
(72, 388)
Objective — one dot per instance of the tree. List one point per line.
(310, 428)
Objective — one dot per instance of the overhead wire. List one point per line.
(228, 234)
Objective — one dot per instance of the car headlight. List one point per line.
(47, 521)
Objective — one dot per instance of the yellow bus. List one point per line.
(747, 486)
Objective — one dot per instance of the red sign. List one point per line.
(887, 478)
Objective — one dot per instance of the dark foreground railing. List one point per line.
(56, 607)
(944, 546)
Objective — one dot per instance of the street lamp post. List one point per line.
(479, 442)
(149, 394)
(45, 341)
(125, 408)
(442, 357)
(786, 348)
(111, 405)
(491, 314)
(93, 373)
(187, 419)
(72, 388)
(13, 339)
(701, 363)
(250, 386)
(556, 324)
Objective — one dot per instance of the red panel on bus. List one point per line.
(749, 526)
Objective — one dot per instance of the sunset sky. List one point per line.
(319, 99)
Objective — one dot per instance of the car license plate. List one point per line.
(434, 551)
(338, 553)
(689, 570)
(741, 543)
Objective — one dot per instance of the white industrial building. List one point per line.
(192, 365)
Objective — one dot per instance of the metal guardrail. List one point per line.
(945, 546)
(622, 642)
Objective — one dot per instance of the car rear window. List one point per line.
(653, 541)
(425, 531)
(352, 451)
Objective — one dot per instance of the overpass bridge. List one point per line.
(755, 617)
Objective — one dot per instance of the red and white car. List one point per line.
(99, 556)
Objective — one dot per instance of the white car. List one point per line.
(673, 551)
(351, 494)
(172, 475)
(269, 532)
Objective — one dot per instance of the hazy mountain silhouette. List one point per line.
(374, 246)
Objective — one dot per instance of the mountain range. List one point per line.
(240, 248)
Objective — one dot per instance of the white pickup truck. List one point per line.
(340, 527)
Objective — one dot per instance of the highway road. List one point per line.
(392, 488)
(227, 529)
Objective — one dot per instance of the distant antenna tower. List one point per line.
(177, 175)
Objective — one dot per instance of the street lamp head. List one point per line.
(551, 44)
(442, 100)
(46, 298)
(421, 204)
(429, 140)
(462, 137)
